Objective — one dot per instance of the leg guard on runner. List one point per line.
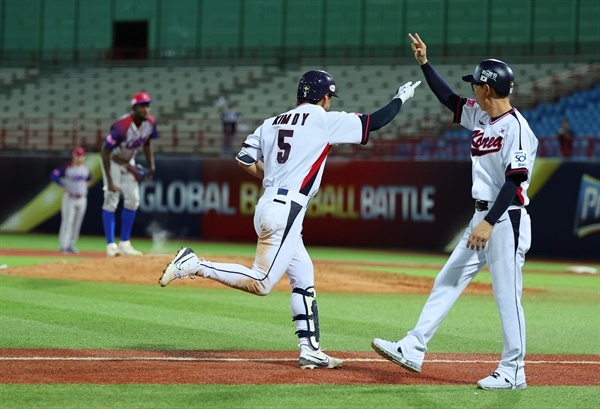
(311, 317)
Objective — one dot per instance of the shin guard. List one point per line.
(311, 316)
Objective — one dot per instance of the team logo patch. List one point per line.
(332, 88)
(587, 215)
(519, 160)
(483, 145)
(305, 90)
(488, 74)
(470, 102)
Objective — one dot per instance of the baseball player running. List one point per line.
(75, 178)
(288, 152)
(503, 151)
(129, 133)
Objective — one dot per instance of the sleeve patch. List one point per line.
(470, 102)
(518, 160)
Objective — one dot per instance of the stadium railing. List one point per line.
(203, 137)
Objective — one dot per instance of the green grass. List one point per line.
(49, 313)
(562, 318)
(549, 282)
(20, 261)
(289, 396)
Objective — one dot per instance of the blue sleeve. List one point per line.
(382, 117)
(504, 199)
(441, 89)
(154, 134)
(57, 174)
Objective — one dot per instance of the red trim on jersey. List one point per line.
(314, 170)
(122, 124)
(520, 195)
(458, 113)
(500, 117)
(365, 137)
(513, 171)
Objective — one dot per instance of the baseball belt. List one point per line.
(481, 205)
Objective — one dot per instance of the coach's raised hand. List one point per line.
(419, 48)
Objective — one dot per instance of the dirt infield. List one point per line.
(65, 366)
(339, 276)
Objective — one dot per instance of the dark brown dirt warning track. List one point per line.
(65, 366)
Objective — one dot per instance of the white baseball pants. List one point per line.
(280, 249)
(72, 212)
(505, 255)
(126, 184)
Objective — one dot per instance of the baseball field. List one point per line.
(86, 331)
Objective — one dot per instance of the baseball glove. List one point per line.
(139, 172)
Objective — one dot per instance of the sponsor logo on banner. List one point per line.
(587, 216)
(179, 197)
(390, 202)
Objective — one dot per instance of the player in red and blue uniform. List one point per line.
(75, 178)
(127, 135)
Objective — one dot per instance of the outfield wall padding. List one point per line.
(414, 205)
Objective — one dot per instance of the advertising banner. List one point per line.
(413, 205)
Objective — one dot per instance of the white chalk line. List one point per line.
(192, 359)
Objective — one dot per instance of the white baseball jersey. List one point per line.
(73, 178)
(294, 145)
(499, 148)
(126, 138)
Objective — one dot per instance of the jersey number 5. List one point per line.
(285, 148)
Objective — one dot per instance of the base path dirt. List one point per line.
(338, 276)
(65, 366)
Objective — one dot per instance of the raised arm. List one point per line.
(440, 88)
(384, 116)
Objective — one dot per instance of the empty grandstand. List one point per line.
(73, 67)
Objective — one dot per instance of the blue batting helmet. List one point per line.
(314, 85)
(495, 73)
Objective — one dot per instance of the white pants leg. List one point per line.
(79, 212)
(67, 215)
(127, 186)
(506, 256)
(301, 274)
(278, 224)
(457, 273)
